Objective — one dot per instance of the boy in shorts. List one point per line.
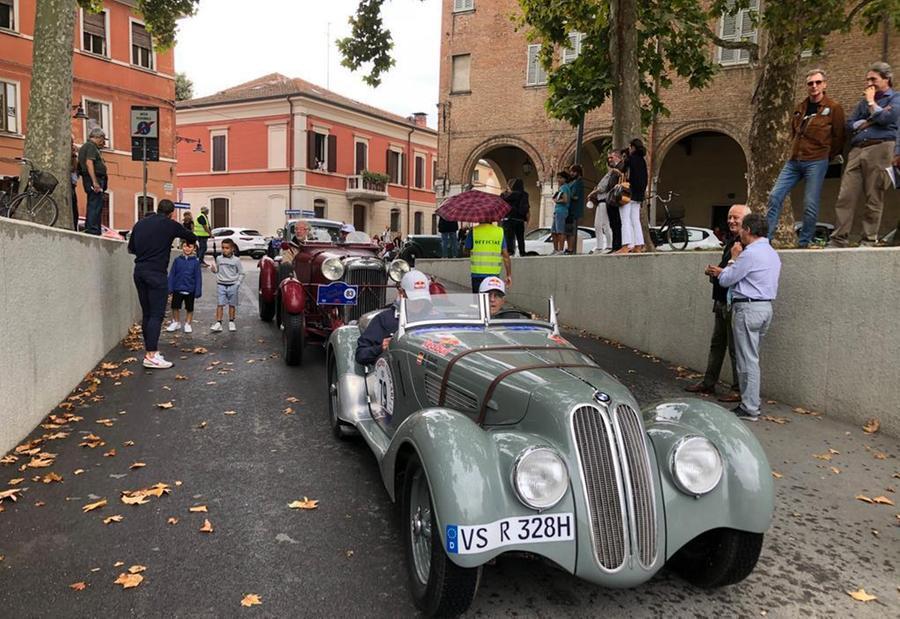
(185, 285)
(229, 275)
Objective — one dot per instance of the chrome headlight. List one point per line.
(397, 269)
(540, 478)
(696, 465)
(333, 269)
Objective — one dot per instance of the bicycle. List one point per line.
(36, 203)
(673, 230)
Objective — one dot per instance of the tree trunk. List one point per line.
(770, 129)
(49, 131)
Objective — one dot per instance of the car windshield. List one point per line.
(250, 232)
(327, 234)
(443, 308)
(358, 237)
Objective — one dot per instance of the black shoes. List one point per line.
(742, 413)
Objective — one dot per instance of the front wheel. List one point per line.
(677, 236)
(338, 427)
(39, 209)
(718, 558)
(439, 587)
(294, 338)
(266, 309)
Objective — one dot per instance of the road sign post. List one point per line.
(144, 140)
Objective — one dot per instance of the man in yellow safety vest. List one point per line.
(202, 232)
(488, 254)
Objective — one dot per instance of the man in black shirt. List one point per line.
(151, 243)
(93, 172)
(722, 335)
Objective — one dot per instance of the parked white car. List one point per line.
(538, 242)
(698, 238)
(249, 242)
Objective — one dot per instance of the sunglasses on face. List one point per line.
(815, 82)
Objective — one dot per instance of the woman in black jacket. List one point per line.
(514, 224)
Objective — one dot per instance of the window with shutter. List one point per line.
(573, 50)
(141, 46)
(395, 220)
(9, 115)
(460, 73)
(420, 172)
(362, 157)
(332, 153)
(7, 14)
(394, 167)
(99, 114)
(417, 222)
(737, 27)
(219, 153)
(463, 5)
(536, 74)
(93, 26)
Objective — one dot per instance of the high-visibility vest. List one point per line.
(199, 230)
(487, 249)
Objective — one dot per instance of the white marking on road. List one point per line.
(283, 537)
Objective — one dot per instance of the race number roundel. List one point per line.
(385, 386)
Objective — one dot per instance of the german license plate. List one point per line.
(470, 539)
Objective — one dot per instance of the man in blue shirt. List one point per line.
(752, 274)
(873, 130)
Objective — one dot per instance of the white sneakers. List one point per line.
(231, 326)
(217, 327)
(188, 328)
(174, 326)
(157, 362)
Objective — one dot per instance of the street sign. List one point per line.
(144, 121)
(337, 293)
(292, 212)
(137, 149)
(183, 205)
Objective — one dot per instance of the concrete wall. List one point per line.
(834, 345)
(65, 300)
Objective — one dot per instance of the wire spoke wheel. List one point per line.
(420, 526)
(36, 208)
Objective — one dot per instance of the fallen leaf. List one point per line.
(835, 470)
(212, 382)
(864, 498)
(207, 527)
(136, 569)
(40, 463)
(172, 520)
(198, 508)
(861, 595)
(106, 422)
(778, 420)
(137, 465)
(118, 564)
(231, 412)
(872, 426)
(56, 436)
(165, 405)
(10, 459)
(92, 506)
(78, 472)
(16, 481)
(201, 425)
(39, 504)
(110, 454)
(199, 350)
(111, 519)
(180, 377)
(128, 444)
(288, 411)
(882, 500)
(129, 581)
(51, 477)
(78, 586)
(824, 456)
(135, 499)
(777, 475)
(251, 599)
(304, 504)
(167, 388)
(292, 399)
(129, 360)
(879, 455)
(349, 553)
(834, 452)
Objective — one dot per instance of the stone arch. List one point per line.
(591, 136)
(699, 126)
(501, 141)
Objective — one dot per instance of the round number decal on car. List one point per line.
(384, 396)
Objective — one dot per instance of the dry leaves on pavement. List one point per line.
(142, 496)
(292, 400)
(180, 377)
(111, 519)
(92, 506)
(129, 581)
(172, 520)
(110, 454)
(231, 412)
(10, 494)
(198, 508)
(861, 595)
(106, 422)
(207, 527)
(16, 481)
(872, 426)
(304, 504)
(51, 477)
(777, 475)
(78, 586)
(136, 569)
(165, 405)
(77, 471)
(137, 465)
(288, 411)
(199, 350)
(779, 420)
(251, 599)
(879, 500)
(804, 411)
(93, 441)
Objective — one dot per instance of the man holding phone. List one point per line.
(722, 340)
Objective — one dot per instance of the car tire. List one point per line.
(439, 586)
(531, 253)
(340, 429)
(278, 309)
(257, 255)
(718, 558)
(266, 309)
(294, 338)
(284, 271)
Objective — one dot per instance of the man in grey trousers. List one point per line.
(752, 275)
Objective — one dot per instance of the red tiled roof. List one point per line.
(277, 86)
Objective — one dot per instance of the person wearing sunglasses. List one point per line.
(817, 136)
(873, 132)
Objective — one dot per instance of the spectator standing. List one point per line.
(229, 276)
(202, 231)
(873, 132)
(636, 172)
(752, 274)
(722, 340)
(151, 243)
(449, 244)
(488, 254)
(93, 173)
(73, 178)
(607, 229)
(561, 201)
(514, 224)
(576, 207)
(187, 220)
(817, 136)
(185, 285)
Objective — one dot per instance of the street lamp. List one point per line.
(79, 112)
(199, 145)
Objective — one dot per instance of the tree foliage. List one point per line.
(160, 17)
(184, 87)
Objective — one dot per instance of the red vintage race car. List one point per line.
(324, 281)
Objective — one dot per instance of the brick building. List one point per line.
(492, 93)
(114, 67)
(277, 145)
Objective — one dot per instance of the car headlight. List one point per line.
(540, 478)
(333, 269)
(397, 269)
(696, 465)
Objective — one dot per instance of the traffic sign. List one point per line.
(144, 121)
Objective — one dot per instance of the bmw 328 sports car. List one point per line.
(497, 435)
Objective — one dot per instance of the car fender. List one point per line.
(744, 498)
(469, 475)
(268, 279)
(293, 299)
(341, 351)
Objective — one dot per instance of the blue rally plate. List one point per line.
(337, 293)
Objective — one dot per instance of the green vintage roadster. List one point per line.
(496, 435)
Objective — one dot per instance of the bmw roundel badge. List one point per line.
(601, 397)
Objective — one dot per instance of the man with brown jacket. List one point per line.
(817, 135)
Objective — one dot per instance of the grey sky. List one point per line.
(233, 41)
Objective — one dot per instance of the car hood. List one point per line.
(517, 367)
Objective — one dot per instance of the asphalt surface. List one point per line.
(344, 557)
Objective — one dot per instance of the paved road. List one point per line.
(344, 558)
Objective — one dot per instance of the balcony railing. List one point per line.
(362, 188)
